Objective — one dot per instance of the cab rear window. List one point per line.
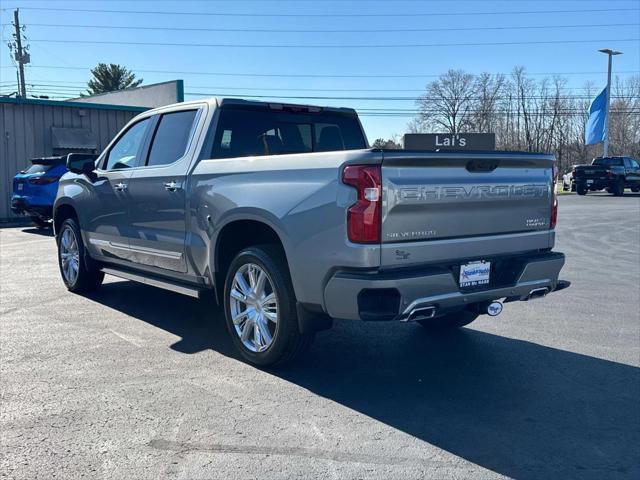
(246, 132)
(615, 161)
(38, 168)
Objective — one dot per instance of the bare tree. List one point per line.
(624, 126)
(528, 114)
(524, 94)
(448, 102)
(488, 89)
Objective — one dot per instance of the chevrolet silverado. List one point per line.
(290, 220)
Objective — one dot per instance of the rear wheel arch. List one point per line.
(61, 213)
(237, 235)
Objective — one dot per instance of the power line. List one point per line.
(377, 30)
(62, 85)
(311, 75)
(298, 46)
(550, 97)
(393, 99)
(330, 15)
(338, 1)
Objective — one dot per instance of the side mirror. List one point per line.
(82, 163)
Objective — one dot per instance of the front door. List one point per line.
(157, 193)
(107, 224)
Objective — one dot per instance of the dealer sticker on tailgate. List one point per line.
(475, 273)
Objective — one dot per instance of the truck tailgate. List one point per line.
(429, 198)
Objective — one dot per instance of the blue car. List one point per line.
(35, 188)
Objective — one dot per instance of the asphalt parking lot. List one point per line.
(134, 382)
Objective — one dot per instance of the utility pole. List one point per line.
(20, 54)
(610, 54)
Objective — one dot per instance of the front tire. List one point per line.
(77, 275)
(260, 307)
(450, 321)
(581, 189)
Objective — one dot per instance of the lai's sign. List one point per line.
(446, 141)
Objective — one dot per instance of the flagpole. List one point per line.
(610, 53)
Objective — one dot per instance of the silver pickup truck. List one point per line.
(286, 215)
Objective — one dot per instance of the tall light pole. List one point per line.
(610, 53)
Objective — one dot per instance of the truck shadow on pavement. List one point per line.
(43, 232)
(517, 408)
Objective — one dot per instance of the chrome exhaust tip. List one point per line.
(538, 293)
(494, 309)
(421, 313)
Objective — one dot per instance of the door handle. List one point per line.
(172, 186)
(120, 186)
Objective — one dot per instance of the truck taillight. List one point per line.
(365, 216)
(573, 173)
(553, 219)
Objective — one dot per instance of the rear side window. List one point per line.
(171, 137)
(246, 132)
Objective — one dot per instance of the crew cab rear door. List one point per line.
(158, 207)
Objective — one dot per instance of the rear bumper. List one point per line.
(596, 184)
(23, 205)
(395, 294)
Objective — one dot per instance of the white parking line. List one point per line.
(125, 338)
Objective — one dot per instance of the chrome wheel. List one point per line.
(254, 307)
(69, 255)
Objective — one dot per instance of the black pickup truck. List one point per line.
(611, 173)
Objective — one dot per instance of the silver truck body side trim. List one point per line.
(145, 250)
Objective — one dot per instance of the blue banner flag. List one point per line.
(594, 130)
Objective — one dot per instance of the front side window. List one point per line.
(244, 132)
(633, 163)
(124, 154)
(172, 137)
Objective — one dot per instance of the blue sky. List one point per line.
(387, 23)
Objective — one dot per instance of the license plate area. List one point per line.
(589, 182)
(20, 186)
(475, 274)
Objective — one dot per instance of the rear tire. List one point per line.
(635, 189)
(618, 188)
(582, 190)
(451, 321)
(258, 294)
(78, 275)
